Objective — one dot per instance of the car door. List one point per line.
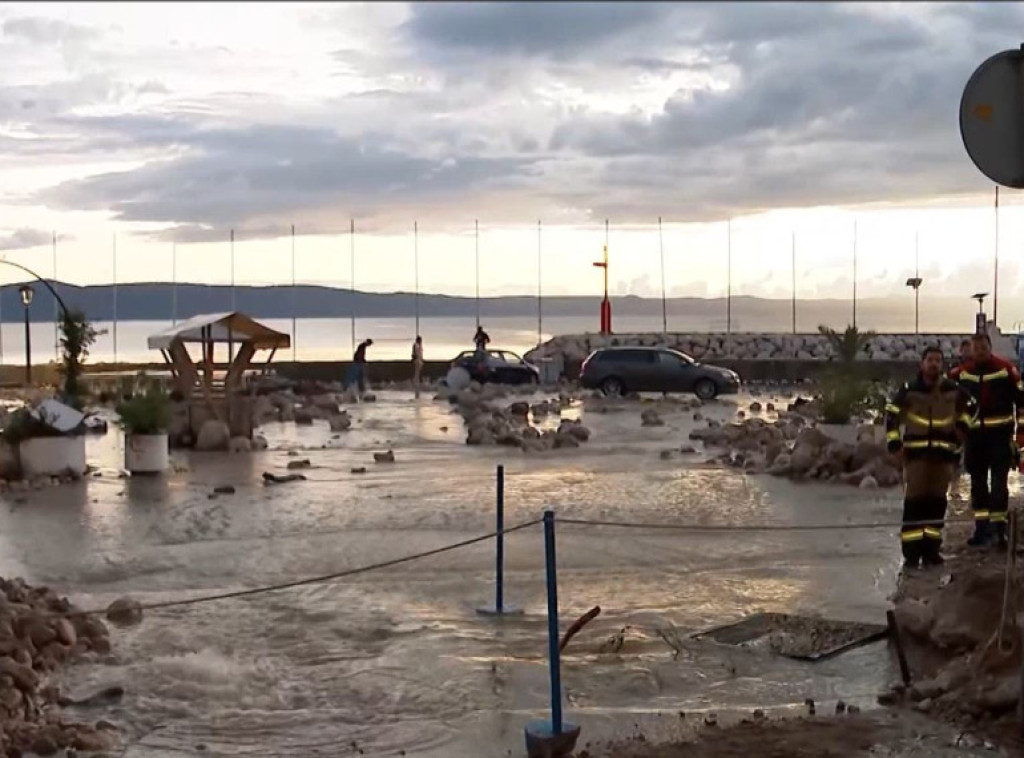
(640, 370)
(674, 374)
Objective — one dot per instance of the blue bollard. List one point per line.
(555, 738)
(499, 608)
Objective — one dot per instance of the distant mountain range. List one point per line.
(156, 302)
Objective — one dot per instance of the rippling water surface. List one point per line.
(398, 660)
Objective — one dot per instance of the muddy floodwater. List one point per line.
(398, 660)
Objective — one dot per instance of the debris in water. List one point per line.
(300, 464)
(388, 457)
(269, 478)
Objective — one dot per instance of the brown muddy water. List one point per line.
(398, 660)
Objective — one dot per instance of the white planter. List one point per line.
(52, 456)
(146, 453)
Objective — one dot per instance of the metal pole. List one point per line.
(174, 283)
(1, 324)
(917, 289)
(793, 244)
(352, 275)
(1013, 546)
(664, 305)
(540, 315)
(476, 228)
(56, 309)
(995, 283)
(233, 271)
(28, 351)
(114, 331)
(499, 572)
(554, 654)
(728, 291)
(416, 269)
(855, 273)
(294, 306)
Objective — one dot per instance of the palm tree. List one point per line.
(849, 344)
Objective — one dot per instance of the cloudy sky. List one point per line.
(168, 125)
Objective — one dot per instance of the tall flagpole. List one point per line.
(294, 302)
(728, 285)
(114, 258)
(917, 289)
(476, 246)
(664, 306)
(416, 270)
(233, 308)
(540, 301)
(352, 276)
(855, 273)
(793, 254)
(174, 283)
(995, 284)
(56, 311)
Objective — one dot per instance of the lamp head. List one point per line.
(27, 293)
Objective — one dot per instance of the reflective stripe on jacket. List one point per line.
(930, 417)
(998, 391)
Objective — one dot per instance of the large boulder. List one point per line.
(213, 435)
(807, 449)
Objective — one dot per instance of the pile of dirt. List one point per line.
(962, 642)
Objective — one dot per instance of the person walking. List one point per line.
(417, 364)
(357, 372)
(936, 415)
(993, 444)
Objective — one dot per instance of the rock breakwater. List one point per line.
(748, 346)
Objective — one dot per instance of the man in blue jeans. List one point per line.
(357, 371)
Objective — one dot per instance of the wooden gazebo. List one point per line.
(212, 388)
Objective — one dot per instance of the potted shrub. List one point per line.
(145, 418)
(50, 435)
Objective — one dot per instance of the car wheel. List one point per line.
(612, 387)
(705, 389)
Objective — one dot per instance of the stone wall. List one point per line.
(573, 348)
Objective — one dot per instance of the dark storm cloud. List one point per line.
(23, 239)
(230, 177)
(774, 105)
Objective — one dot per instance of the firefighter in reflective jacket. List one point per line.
(936, 415)
(992, 445)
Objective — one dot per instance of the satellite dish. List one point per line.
(992, 118)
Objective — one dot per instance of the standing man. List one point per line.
(357, 373)
(993, 445)
(481, 340)
(936, 415)
(417, 364)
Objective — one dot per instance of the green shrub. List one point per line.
(145, 412)
(77, 335)
(849, 344)
(844, 395)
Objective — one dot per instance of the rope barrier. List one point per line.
(313, 580)
(759, 527)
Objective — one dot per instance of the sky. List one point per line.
(142, 134)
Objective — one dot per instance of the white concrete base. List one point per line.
(52, 456)
(146, 453)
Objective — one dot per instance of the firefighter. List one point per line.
(936, 415)
(993, 447)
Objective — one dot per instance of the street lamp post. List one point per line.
(27, 293)
(915, 283)
(979, 319)
(606, 307)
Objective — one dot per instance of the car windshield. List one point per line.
(682, 356)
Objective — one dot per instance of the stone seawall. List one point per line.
(573, 348)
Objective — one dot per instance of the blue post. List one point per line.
(554, 738)
(554, 654)
(499, 571)
(499, 608)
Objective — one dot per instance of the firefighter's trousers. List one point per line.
(927, 481)
(989, 453)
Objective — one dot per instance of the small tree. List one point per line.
(848, 345)
(77, 335)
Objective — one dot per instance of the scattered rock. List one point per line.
(341, 422)
(259, 442)
(269, 478)
(240, 445)
(650, 417)
(303, 417)
(124, 612)
(224, 489)
(302, 463)
(213, 435)
(388, 457)
(359, 470)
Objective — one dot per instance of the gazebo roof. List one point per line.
(224, 327)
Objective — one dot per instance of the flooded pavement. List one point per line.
(397, 661)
